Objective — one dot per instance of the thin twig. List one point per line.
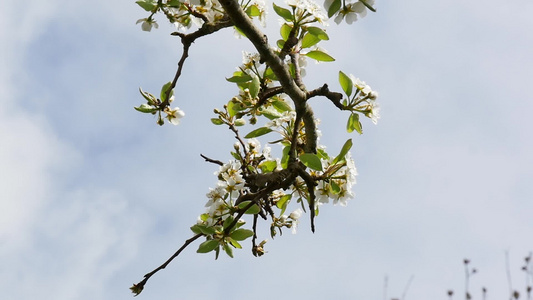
(214, 161)
(137, 288)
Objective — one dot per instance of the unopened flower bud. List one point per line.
(240, 122)
(295, 215)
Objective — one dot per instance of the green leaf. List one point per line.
(198, 228)
(309, 40)
(334, 187)
(270, 74)
(318, 32)
(282, 203)
(253, 11)
(312, 161)
(146, 108)
(234, 243)
(346, 83)
(149, 97)
(334, 8)
(285, 157)
(354, 124)
(174, 3)
(345, 148)
(285, 31)
(227, 222)
(319, 56)
(258, 132)
(241, 234)
(217, 121)
(281, 105)
(228, 250)
(234, 107)
(239, 76)
(252, 210)
(280, 44)
(147, 5)
(254, 86)
(164, 90)
(283, 12)
(322, 154)
(208, 246)
(268, 166)
(270, 112)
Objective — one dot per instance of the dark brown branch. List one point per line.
(311, 183)
(268, 93)
(137, 288)
(187, 40)
(207, 159)
(280, 69)
(324, 91)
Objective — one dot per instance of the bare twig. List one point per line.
(214, 161)
(137, 288)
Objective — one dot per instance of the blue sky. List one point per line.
(94, 194)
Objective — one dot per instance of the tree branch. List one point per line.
(137, 288)
(280, 69)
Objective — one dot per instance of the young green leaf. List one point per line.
(241, 234)
(252, 210)
(207, 246)
(270, 112)
(319, 56)
(217, 121)
(146, 108)
(280, 44)
(268, 166)
(227, 222)
(239, 77)
(281, 105)
(258, 132)
(285, 30)
(334, 187)
(346, 83)
(174, 3)
(347, 146)
(322, 154)
(318, 32)
(282, 203)
(234, 243)
(228, 250)
(334, 8)
(283, 12)
(253, 11)
(164, 90)
(198, 228)
(312, 161)
(149, 97)
(254, 86)
(309, 40)
(354, 124)
(147, 5)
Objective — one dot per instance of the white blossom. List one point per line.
(147, 24)
(174, 115)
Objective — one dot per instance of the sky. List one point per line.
(94, 194)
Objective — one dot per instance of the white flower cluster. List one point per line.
(350, 11)
(339, 186)
(286, 117)
(174, 115)
(366, 99)
(290, 221)
(308, 11)
(230, 184)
